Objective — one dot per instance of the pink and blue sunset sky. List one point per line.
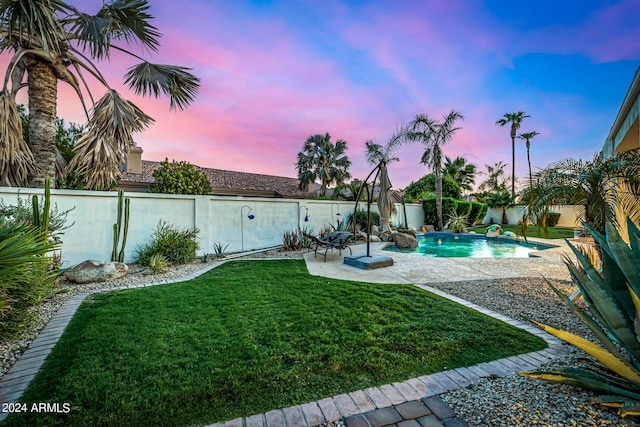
(275, 72)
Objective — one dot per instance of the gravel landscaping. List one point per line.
(512, 401)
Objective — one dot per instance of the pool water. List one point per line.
(449, 245)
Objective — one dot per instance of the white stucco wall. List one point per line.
(569, 215)
(219, 219)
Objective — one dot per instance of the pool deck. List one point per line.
(412, 268)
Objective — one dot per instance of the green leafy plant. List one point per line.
(179, 178)
(22, 213)
(361, 219)
(291, 241)
(27, 274)
(176, 244)
(220, 250)
(475, 212)
(612, 297)
(456, 223)
(501, 200)
(158, 264)
(429, 206)
(117, 227)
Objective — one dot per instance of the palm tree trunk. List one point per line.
(43, 91)
(513, 164)
(529, 162)
(439, 198)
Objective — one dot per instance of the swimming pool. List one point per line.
(451, 245)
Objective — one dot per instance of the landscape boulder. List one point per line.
(403, 240)
(96, 271)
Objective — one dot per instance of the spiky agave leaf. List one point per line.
(619, 366)
(101, 150)
(16, 160)
(154, 79)
(626, 406)
(605, 301)
(590, 322)
(586, 379)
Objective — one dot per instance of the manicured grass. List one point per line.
(534, 231)
(249, 337)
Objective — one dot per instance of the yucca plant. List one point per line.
(612, 312)
(456, 223)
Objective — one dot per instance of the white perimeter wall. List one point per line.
(569, 215)
(219, 219)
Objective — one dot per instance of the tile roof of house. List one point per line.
(229, 182)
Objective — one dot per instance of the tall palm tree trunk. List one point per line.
(513, 162)
(439, 197)
(43, 91)
(529, 162)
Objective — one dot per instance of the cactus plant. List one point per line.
(115, 254)
(612, 298)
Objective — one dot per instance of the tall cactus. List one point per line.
(41, 221)
(115, 254)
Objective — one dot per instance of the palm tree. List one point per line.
(589, 184)
(528, 136)
(51, 41)
(463, 173)
(515, 119)
(496, 180)
(321, 159)
(433, 135)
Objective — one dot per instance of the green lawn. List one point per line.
(533, 231)
(249, 337)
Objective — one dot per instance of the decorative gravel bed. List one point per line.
(512, 401)
(520, 401)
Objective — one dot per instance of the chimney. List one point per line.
(133, 162)
(311, 187)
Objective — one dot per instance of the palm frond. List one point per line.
(16, 160)
(101, 150)
(121, 19)
(33, 24)
(153, 79)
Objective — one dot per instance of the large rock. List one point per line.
(96, 271)
(403, 240)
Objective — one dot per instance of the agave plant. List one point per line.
(456, 223)
(612, 312)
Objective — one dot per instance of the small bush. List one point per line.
(220, 249)
(179, 178)
(552, 219)
(177, 245)
(361, 219)
(291, 241)
(456, 223)
(158, 264)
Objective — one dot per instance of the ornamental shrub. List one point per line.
(463, 208)
(475, 212)
(179, 178)
(449, 204)
(361, 219)
(176, 245)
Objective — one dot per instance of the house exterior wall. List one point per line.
(625, 131)
(220, 219)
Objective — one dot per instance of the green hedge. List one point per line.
(429, 206)
(463, 208)
(475, 211)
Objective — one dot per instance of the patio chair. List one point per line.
(337, 240)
